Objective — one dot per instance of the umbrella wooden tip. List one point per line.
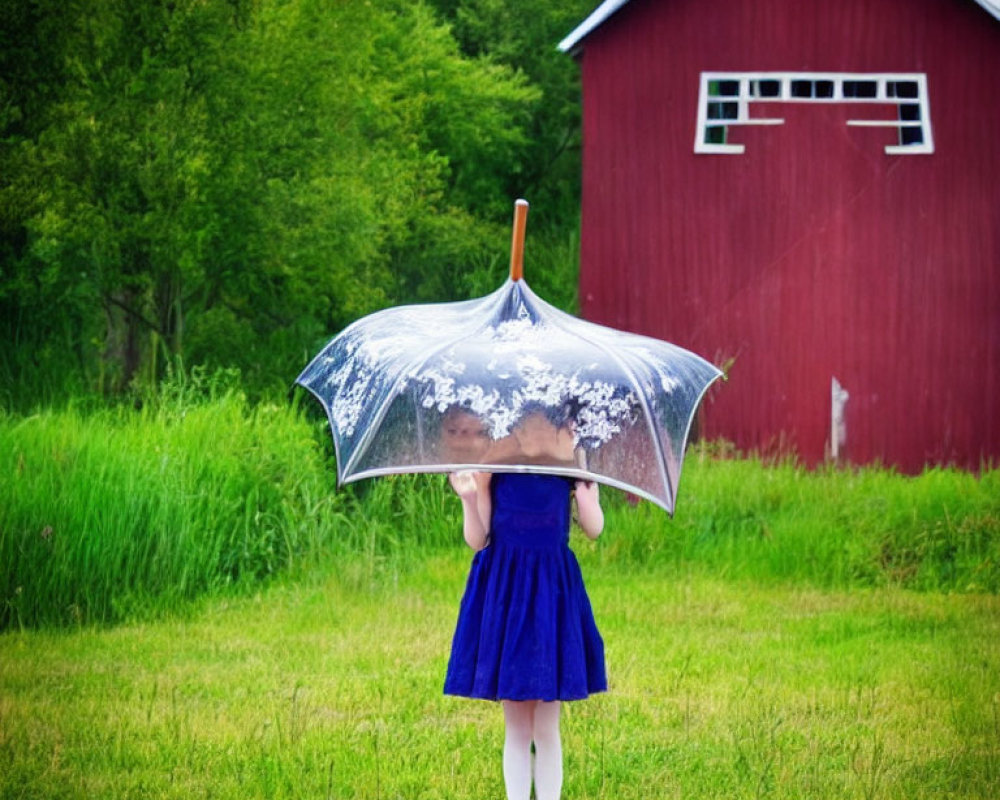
(517, 240)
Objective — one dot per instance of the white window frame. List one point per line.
(748, 93)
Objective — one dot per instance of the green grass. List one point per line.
(117, 514)
(830, 527)
(105, 512)
(114, 513)
(330, 687)
(192, 610)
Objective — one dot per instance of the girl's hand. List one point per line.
(473, 488)
(588, 507)
(464, 483)
(588, 492)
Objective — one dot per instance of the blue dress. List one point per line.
(525, 628)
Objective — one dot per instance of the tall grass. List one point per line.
(110, 513)
(117, 512)
(831, 527)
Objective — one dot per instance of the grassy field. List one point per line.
(331, 688)
(117, 514)
(188, 609)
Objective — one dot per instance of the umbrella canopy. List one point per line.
(508, 382)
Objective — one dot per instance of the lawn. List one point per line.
(182, 621)
(329, 686)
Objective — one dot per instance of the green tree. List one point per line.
(228, 181)
(111, 224)
(524, 37)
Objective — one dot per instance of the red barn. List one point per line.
(806, 193)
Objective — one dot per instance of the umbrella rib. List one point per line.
(661, 461)
(671, 483)
(362, 445)
(571, 472)
(660, 456)
(328, 409)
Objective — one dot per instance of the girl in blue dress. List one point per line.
(526, 634)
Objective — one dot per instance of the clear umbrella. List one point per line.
(508, 382)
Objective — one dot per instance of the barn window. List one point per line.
(859, 89)
(802, 89)
(726, 98)
(765, 88)
(901, 88)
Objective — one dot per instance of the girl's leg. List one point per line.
(518, 723)
(548, 752)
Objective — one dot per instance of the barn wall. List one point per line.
(814, 254)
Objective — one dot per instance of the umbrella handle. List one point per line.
(517, 240)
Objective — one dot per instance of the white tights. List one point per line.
(526, 722)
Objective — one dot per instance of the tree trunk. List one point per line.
(122, 341)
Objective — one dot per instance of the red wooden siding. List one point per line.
(815, 254)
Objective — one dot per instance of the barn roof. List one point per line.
(609, 7)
